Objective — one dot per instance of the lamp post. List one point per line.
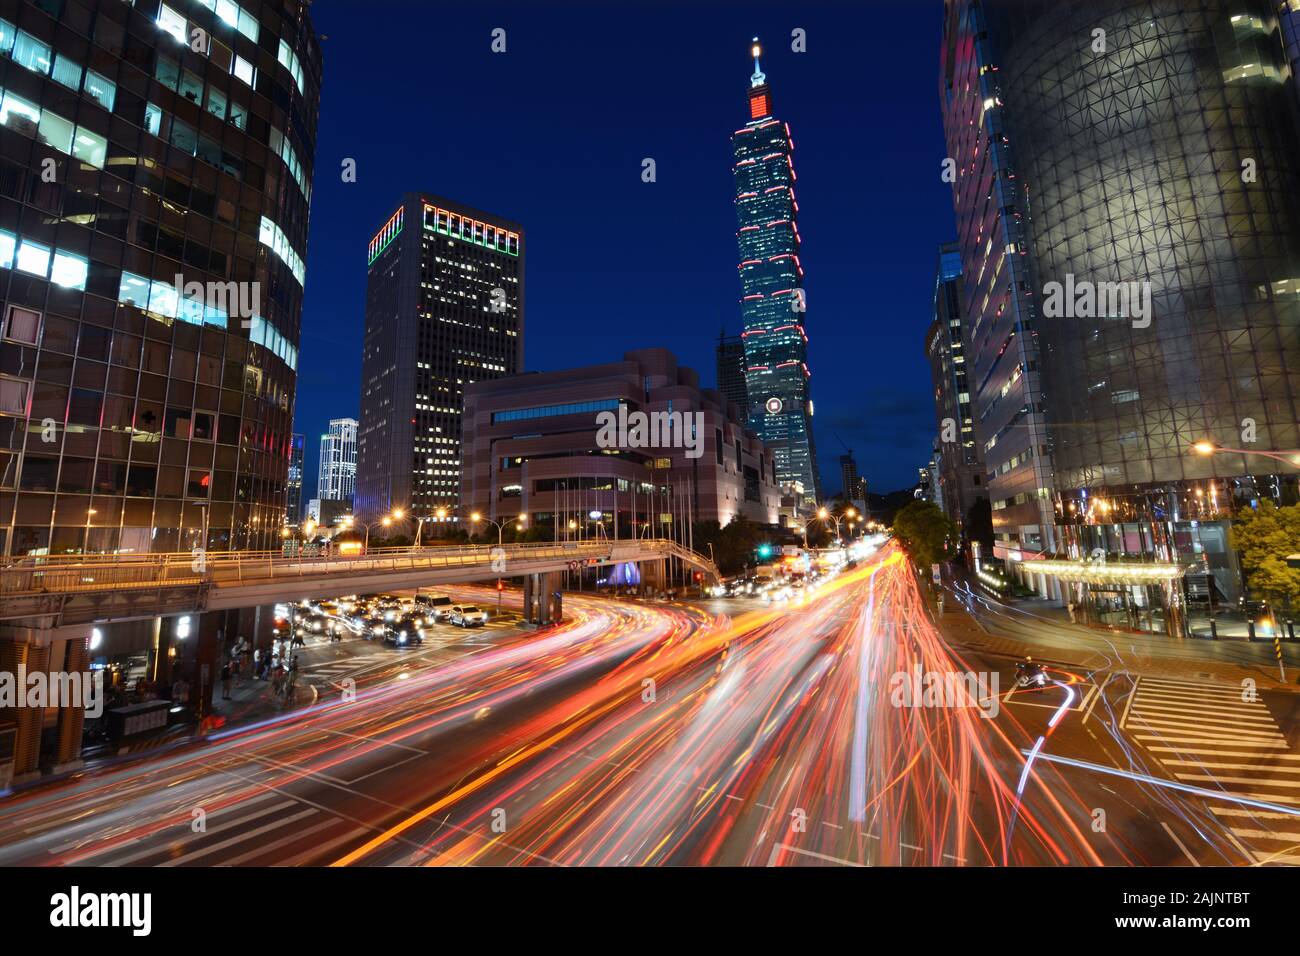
(440, 514)
(203, 506)
(827, 515)
(1287, 457)
(475, 518)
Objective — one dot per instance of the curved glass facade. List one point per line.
(155, 175)
(1164, 158)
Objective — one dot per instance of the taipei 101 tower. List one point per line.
(773, 304)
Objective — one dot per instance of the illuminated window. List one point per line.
(134, 290)
(248, 25)
(69, 271)
(32, 53)
(90, 148)
(55, 131)
(228, 12)
(33, 257)
(169, 21)
(67, 72)
(16, 111)
(8, 243)
(102, 91)
(244, 70)
(163, 299)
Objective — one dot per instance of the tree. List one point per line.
(733, 545)
(925, 532)
(1265, 536)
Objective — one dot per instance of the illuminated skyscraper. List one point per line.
(444, 308)
(773, 301)
(293, 513)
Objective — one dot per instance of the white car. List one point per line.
(468, 615)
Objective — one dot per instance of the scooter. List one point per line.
(1031, 676)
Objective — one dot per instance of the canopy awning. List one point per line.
(1112, 572)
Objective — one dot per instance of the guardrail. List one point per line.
(63, 574)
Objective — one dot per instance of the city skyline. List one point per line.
(685, 126)
(572, 587)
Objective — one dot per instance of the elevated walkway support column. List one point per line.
(654, 576)
(18, 655)
(543, 598)
(72, 719)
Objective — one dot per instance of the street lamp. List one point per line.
(826, 515)
(475, 518)
(440, 514)
(386, 521)
(1287, 457)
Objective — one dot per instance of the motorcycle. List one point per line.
(1031, 676)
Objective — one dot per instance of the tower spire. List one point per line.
(758, 79)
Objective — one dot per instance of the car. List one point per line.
(467, 615)
(403, 635)
(436, 607)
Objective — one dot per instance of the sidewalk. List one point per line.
(1094, 648)
(251, 698)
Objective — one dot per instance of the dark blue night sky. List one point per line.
(552, 134)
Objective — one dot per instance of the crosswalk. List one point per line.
(330, 671)
(1215, 736)
(265, 829)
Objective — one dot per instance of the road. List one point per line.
(842, 729)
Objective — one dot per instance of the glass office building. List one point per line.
(773, 304)
(1156, 144)
(959, 469)
(998, 307)
(444, 308)
(155, 182)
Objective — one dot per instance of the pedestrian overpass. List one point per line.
(66, 591)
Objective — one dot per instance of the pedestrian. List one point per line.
(225, 681)
(1070, 608)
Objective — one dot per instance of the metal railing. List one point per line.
(47, 574)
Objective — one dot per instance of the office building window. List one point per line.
(100, 90)
(69, 271)
(13, 396)
(22, 325)
(67, 72)
(32, 53)
(90, 148)
(55, 131)
(34, 258)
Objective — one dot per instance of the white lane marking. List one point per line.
(277, 844)
(1173, 836)
(240, 838)
(778, 847)
(192, 837)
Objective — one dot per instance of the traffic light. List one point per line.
(764, 550)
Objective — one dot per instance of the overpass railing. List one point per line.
(46, 574)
